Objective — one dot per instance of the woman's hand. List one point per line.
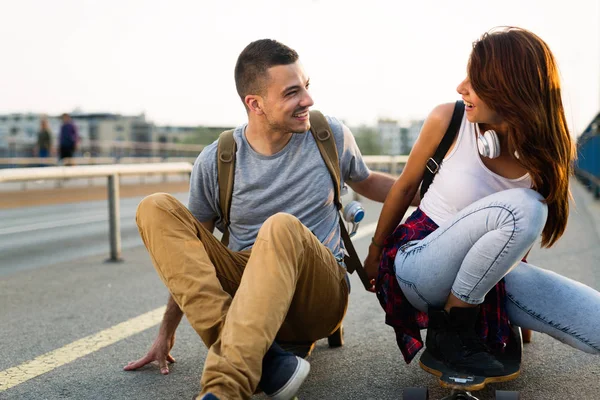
(371, 264)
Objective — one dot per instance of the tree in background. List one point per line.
(367, 140)
(204, 135)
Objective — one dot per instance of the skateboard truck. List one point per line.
(456, 394)
(462, 380)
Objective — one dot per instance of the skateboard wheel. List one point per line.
(507, 395)
(302, 350)
(336, 339)
(526, 335)
(415, 394)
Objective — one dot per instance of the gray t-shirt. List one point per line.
(295, 180)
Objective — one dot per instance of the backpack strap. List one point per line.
(226, 149)
(321, 131)
(433, 164)
(319, 127)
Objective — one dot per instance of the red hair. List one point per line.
(514, 72)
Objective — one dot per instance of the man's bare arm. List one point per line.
(375, 187)
(171, 319)
(160, 351)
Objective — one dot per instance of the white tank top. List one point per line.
(463, 178)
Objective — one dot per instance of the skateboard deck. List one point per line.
(451, 379)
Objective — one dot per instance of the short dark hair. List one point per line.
(254, 61)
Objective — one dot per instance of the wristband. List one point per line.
(373, 242)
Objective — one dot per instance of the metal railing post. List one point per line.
(114, 221)
(394, 166)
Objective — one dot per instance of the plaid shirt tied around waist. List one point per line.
(492, 325)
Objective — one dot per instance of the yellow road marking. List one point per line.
(47, 362)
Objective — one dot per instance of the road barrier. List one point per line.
(111, 172)
(14, 147)
(587, 167)
(392, 163)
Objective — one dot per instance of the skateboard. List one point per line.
(462, 384)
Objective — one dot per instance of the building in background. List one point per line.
(395, 139)
(410, 135)
(18, 133)
(105, 134)
(115, 135)
(389, 136)
(174, 134)
(97, 131)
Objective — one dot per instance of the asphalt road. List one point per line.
(34, 237)
(56, 289)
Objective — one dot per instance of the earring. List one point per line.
(488, 144)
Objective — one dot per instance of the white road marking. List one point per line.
(59, 223)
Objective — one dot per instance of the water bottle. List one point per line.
(353, 213)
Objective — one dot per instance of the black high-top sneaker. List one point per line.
(451, 338)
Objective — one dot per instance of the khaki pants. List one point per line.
(289, 287)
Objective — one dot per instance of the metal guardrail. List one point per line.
(53, 161)
(112, 172)
(91, 171)
(589, 180)
(112, 160)
(391, 164)
(15, 147)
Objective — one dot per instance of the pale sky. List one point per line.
(174, 59)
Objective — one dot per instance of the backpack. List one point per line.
(321, 131)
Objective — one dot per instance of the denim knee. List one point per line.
(531, 210)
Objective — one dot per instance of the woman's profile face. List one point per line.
(477, 111)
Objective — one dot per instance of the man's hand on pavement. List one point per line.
(159, 352)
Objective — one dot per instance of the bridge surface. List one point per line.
(69, 321)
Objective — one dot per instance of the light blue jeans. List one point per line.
(485, 242)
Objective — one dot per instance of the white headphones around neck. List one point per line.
(488, 144)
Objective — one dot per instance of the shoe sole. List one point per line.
(289, 390)
(469, 387)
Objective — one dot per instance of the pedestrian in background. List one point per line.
(68, 140)
(44, 139)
